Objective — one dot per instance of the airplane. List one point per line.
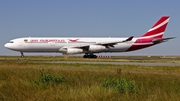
(89, 46)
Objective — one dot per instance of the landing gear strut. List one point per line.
(22, 55)
(89, 56)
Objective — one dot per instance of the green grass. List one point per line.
(27, 81)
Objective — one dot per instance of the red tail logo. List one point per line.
(73, 40)
(158, 29)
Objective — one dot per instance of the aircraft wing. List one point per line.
(162, 40)
(114, 42)
(107, 44)
(86, 47)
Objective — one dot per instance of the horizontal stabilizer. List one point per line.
(162, 40)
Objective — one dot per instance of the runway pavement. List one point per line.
(120, 63)
(113, 63)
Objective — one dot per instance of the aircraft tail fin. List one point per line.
(158, 28)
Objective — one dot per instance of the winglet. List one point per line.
(129, 39)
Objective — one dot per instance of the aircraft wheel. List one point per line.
(89, 56)
(94, 56)
(85, 56)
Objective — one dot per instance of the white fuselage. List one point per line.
(53, 44)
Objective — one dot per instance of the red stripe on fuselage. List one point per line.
(141, 43)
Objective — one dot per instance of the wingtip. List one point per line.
(130, 38)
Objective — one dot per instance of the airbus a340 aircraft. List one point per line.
(89, 46)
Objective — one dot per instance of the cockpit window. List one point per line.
(11, 42)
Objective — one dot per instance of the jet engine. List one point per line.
(71, 50)
(96, 48)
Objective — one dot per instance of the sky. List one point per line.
(88, 18)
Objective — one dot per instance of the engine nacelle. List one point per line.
(96, 48)
(71, 50)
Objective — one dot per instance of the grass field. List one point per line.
(22, 80)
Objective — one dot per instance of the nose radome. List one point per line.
(5, 45)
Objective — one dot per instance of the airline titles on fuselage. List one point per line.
(45, 40)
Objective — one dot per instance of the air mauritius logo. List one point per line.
(25, 40)
(73, 40)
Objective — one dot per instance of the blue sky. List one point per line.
(89, 18)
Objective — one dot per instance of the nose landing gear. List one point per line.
(22, 55)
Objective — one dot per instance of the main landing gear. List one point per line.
(89, 56)
(22, 55)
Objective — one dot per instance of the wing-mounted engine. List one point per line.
(70, 50)
(96, 48)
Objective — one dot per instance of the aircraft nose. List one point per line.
(7, 45)
(10, 46)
